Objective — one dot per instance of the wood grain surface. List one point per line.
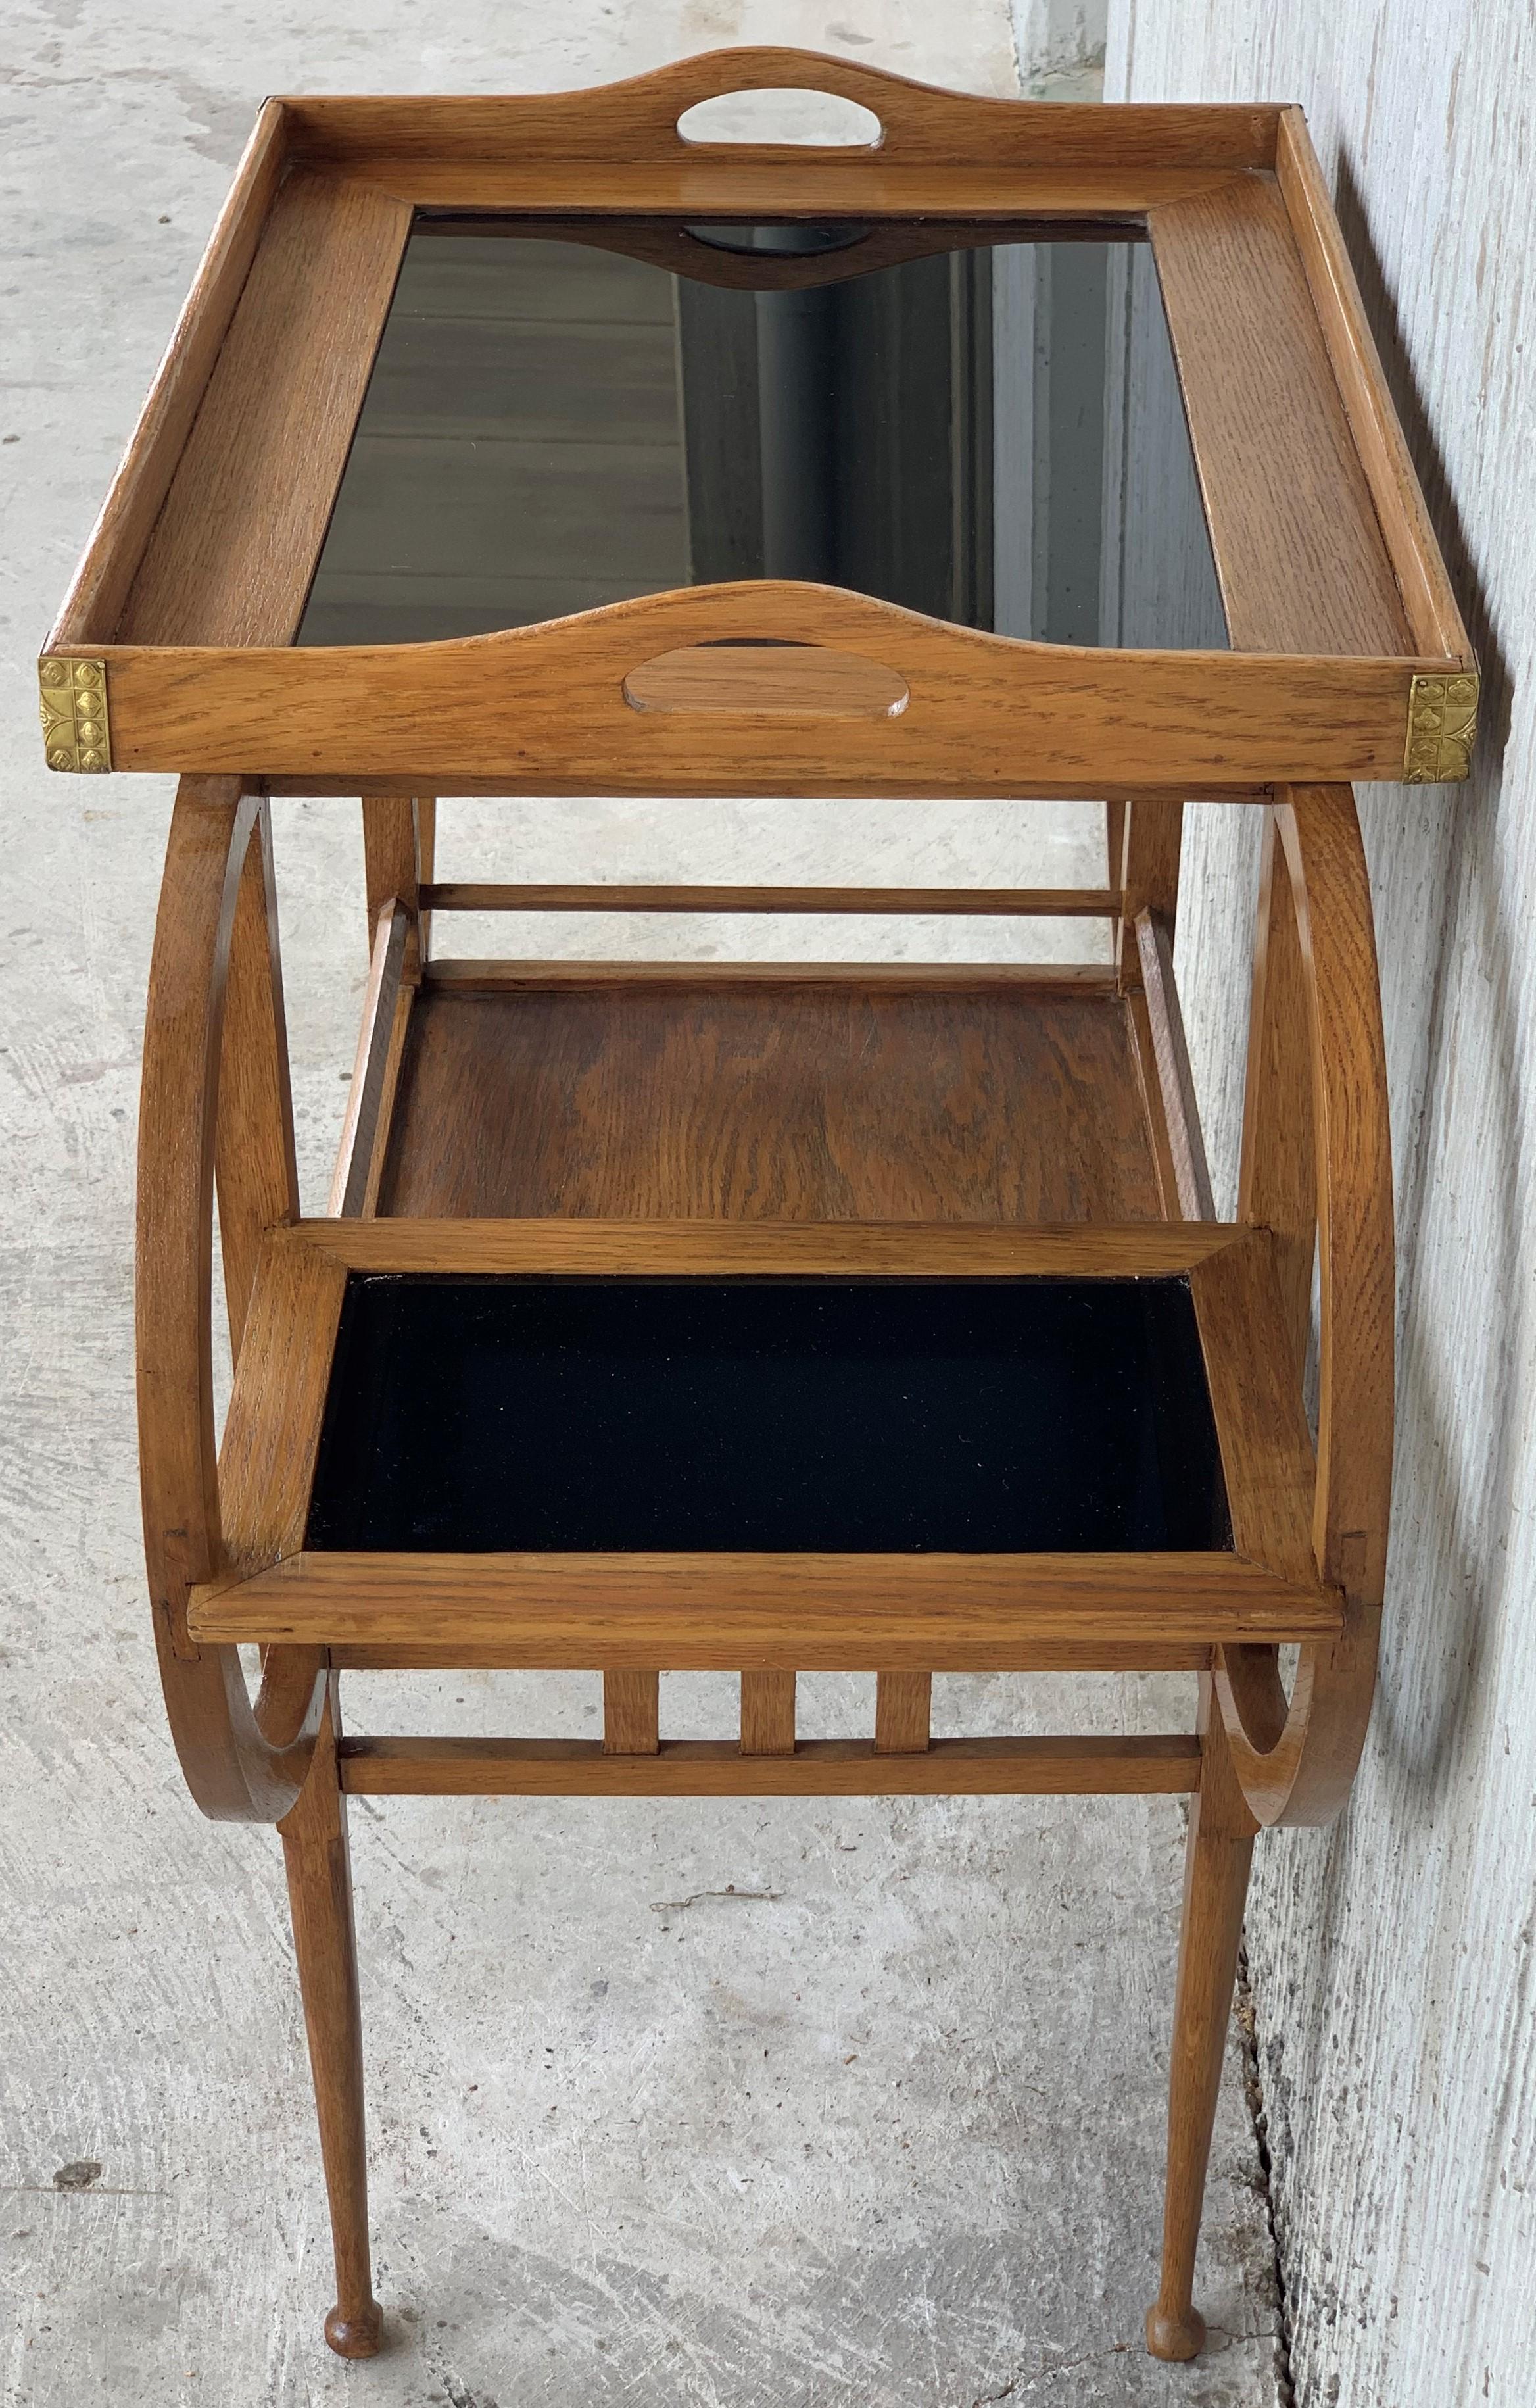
(691, 1612)
(902, 1706)
(987, 714)
(93, 607)
(785, 680)
(266, 1462)
(1154, 937)
(1299, 550)
(829, 1767)
(236, 1769)
(1034, 902)
(630, 1705)
(380, 1037)
(1256, 1398)
(255, 1168)
(635, 121)
(802, 1104)
(1429, 600)
(767, 1713)
(319, 1889)
(235, 542)
(1218, 1855)
(637, 1249)
(1277, 1169)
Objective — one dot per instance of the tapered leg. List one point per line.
(320, 1887)
(1215, 1885)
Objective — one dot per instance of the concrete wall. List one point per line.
(1060, 41)
(1393, 1958)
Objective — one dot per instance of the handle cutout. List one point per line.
(788, 681)
(822, 119)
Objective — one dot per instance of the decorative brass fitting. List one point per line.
(75, 731)
(1442, 728)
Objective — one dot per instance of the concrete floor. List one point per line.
(853, 2102)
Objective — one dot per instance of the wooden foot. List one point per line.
(319, 1889)
(1175, 2337)
(1215, 1885)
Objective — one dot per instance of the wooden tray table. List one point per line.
(767, 1317)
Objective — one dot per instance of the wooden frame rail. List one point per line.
(1001, 902)
(1167, 1764)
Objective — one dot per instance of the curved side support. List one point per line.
(1317, 1102)
(235, 1768)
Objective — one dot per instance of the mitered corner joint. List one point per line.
(77, 734)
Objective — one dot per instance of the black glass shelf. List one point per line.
(1016, 1415)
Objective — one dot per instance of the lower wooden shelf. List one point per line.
(699, 1091)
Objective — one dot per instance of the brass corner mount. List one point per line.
(77, 734)
(1442, 728)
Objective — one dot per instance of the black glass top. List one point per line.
(1016, 1415)
(984, 430)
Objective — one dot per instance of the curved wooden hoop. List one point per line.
(1316, 1118)
(242, 1763)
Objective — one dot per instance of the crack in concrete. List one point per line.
(1253, 2092)
(669, 1905)
(1048, 2373)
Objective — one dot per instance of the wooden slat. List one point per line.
(829, 1767)
(1150, 1086)
(383, 1127)
(1047, 902)
(903, 1703)
(1175, 1080)
(696, 1612)
(1298, 548)
(1277, 1178)
(391, 852)
(1056, 1655)
(1044, 978)
(1428, 599)
(630, 1704)
(93, 606)
(357, 1158)
(266, 1463)
(233, 549)
(1148, 872)
(767, 1713)
(256, 1169)
(1201, 787)
(723, 1249)
(1266, 1448)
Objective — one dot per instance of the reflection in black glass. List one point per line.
(799, 240)
(991, 433)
